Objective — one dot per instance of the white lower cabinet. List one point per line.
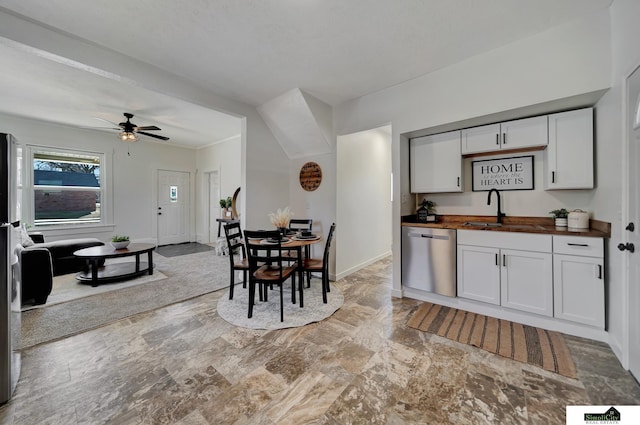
(492, 269)
(479, 273)
(526, 281)
(579, 293)
(554, 276)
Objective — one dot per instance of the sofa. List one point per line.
(41, 261)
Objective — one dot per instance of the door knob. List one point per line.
(159, 213)
(628, 246)
(630, 227)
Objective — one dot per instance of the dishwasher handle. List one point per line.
(422, 235)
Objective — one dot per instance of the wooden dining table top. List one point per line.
(294, 243)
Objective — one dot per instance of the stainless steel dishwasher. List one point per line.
(429, 259)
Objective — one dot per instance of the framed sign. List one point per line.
(503, 174)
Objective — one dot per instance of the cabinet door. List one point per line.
(479, 273)
(569, 157)
(528, 132)
(527, 281)
(579, 289)
(485, 138)
(436, 163)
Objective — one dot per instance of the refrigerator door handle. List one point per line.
(14, 224)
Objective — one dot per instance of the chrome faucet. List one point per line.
(499, 215)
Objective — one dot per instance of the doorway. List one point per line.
(363, 199)
(174, 206)
(632, 231)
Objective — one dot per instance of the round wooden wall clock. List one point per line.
(310, 176)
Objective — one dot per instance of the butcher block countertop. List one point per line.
(545, 225)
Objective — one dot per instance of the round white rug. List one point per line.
(266, 315)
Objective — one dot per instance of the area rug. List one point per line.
(266, 315)
(68, 288)
(527, 344)
(187, 276)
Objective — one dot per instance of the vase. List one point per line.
(561, 222)
(120, 245)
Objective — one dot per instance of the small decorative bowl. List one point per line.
(120, 245)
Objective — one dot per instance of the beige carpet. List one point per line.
(527, 344)
(187, 276)
(68, 288)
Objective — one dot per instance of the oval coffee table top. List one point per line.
(107, 251)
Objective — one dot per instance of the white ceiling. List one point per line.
(254, 51)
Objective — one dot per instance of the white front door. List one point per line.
(214, 205)
(173, 207)
(633, 236)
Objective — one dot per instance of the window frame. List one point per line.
(106, 197)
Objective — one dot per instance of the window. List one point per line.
(67, 187)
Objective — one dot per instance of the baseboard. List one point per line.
(616, 347)
(362, 265)
(152, 241)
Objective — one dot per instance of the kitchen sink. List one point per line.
(482, 224)
(486, 225)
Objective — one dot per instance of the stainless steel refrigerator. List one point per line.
(10, 211)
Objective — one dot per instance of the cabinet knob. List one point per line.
(628, 247)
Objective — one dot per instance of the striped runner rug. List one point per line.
(527, 344)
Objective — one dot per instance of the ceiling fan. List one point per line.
(129, 131)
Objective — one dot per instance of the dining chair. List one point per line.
(236, 245)
(321, 265)
(266, 266)
(300, 224)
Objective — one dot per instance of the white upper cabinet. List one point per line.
(517, 134)
(436, 163)
(485, 138)
(569, 157)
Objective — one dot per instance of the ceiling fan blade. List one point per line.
(147, 128)
(153, 135)
(102, 128)
(110, 122)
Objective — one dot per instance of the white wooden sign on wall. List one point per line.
(503, 174)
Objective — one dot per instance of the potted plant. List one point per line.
(119, 241)
(426, 212)
(225, 205)
(560, 215)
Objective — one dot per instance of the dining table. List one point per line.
(296, 243)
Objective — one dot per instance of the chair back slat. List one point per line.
(301, 224)
(259, 254)
(234, 238)
(327, 246)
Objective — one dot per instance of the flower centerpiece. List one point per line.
(119, 242)
(280, 219)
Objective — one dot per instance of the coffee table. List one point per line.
(115, 272)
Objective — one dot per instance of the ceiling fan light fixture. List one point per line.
(128, 136)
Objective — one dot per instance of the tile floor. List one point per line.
(184, 365)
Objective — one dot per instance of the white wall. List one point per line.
(264, 183)
(225, 158)
(363, 199)
(133, 173)
(319, 204)
(608, 199)
(565, 61)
